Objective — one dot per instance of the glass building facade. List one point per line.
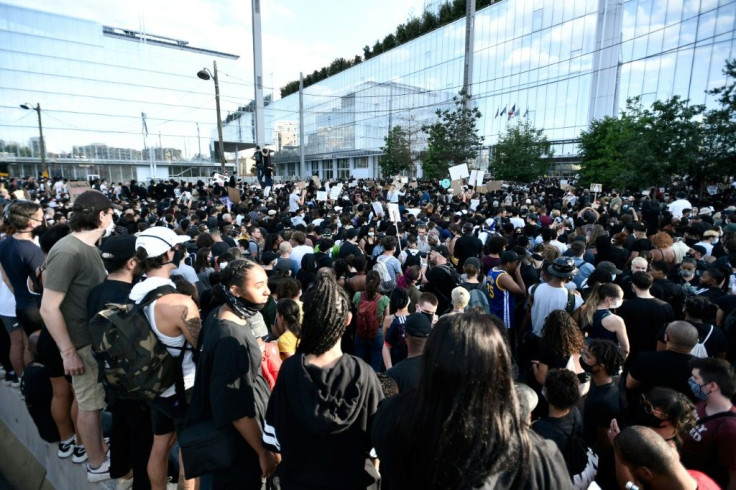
(112, 99)
(559, 64)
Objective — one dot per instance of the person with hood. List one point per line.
(230, 388)
(319, 414)
(175, 320)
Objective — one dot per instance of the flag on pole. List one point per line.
(511, 111)
(504, 110)
(526, 114)
(497, 111)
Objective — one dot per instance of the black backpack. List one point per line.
(581, 461)
(35, 385)
(413, 257)
(134, 364)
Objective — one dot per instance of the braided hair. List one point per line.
(326, 311)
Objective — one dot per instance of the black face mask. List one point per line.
(643, 417)
(691, 241)
(586, 367)
(430, 316)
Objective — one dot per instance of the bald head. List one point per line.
(639, 446)
(682, 335)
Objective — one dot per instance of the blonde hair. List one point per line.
(600, 292)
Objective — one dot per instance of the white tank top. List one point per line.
(188, 366)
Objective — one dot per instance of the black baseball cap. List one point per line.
(418, 325)
(118, 248)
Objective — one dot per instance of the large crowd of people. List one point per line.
(373, 334)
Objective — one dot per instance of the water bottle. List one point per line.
(732, 283)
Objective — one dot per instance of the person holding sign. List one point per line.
(296, 199)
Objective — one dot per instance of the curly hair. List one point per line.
(679, 409)
(607, 354)
(561, 334)
(561, 388)
(661, 240)
(326, 313)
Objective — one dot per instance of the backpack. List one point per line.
(387, 282)
(367, 320)
(699, 350)
(35, 385)
(581, 461)
(270, 363)
(134, 364)
(413, 257)
(478, 299)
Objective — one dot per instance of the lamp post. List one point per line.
(205, 74)
(42, 146)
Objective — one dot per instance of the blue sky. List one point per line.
(298, 35)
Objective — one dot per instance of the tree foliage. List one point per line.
(452, 139)
(519, 154)
(396, 152)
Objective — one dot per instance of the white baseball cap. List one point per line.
(158, 240)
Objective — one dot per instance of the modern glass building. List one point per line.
(113, 100)
(560, 64)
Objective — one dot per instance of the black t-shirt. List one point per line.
(441, 282)
(716, 343)
(406, 373)
(229, 386)
(348, 248)
(669, 292)
(558, 429)
(108, 291)
(601, 405)
(467, 246)
(665, 368)
(641, 244)
(643, 318)
(20, 259)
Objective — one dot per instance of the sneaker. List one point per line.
(123, 484)
(12, 380)
(66, 448)
(79, 455)
(95, 475)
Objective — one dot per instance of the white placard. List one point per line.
(414, 211)
(473, 177)
(404, 180)
(479, 178)
(474, 204)
(459, 172)
(377, 208)
(321, 195)
(335, 191)
(393, 212)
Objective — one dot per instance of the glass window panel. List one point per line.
(707, 26)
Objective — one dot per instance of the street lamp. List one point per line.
(29, 107)
(205, 74)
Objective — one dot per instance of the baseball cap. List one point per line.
(700, 249)
(710, 233)
(609, 267)
(442, 250)
(158, 240)
(509, 256)
(118, 247)
(93, 200)
(417, 325)
(473, 261)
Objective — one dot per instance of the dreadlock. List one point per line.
(326, 311)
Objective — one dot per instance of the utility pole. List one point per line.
(302, 165)
(469, 43)
(258, 73)
(41, 144)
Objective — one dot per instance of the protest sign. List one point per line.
(473, 177)
(75, 189)
(321, 195)
(335, 191)
(474, 204)
(457, 187)
(479, 178)
(234, 195)
(494, 185)
(596, 188)
(459, 172)
(377, 208)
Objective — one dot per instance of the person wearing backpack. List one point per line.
(175, 320)
(370, 308)
(388, 266)
(130, 436)
(709, 446)
(563, 425)
(441, 279)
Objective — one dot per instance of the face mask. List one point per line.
(370, 233)
(697, 389)
(586, 367)
(617, 304)
(110, 228)
(613, 277)
(690, 241)
(223, 265)
(687, 273)
(429, 316)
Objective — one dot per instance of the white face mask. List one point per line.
(110, 228)
(617, 304)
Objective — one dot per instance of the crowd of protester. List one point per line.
(538, 336)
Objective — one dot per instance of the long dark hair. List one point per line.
(326, 310)
(463, 422)
(372, 282)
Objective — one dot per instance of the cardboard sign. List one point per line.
(567, 187)
(459, 172)
(369, 183)
(457, 187)
(377, 208)
(413, 185)
(404, 180)
(393, 212)
(596, 188)
(481, 188)
(473, 178)
(494, 185)
(321, 195)
(75, 189)
(301, 185)
(317, 182)
(234, 195)
(479, 179)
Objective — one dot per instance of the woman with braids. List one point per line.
(321, 407)
(462, 428)
(230, 388)
(597, 320)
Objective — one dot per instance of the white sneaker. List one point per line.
(66, 449)
(95, 475)
(79, 454)
(123, 484)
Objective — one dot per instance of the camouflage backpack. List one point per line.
(134, 364)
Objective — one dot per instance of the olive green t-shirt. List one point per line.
(74, 268)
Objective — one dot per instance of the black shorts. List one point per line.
(29, 318)
(49, 355)
(167, 414)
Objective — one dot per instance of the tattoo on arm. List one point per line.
(193, 325)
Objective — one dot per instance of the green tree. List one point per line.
(519, 154)
(452, 139)
(396, 152)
